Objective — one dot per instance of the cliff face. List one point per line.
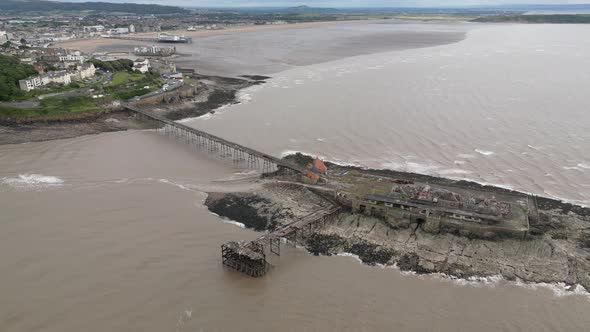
(557, 251)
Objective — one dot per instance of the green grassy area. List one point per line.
(122, 77)
(56, 105)
(126, 85)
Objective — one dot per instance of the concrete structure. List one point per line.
(437, 209)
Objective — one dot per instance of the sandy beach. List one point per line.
(91, 45)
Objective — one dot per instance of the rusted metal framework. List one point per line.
(215, 145)
(222, 149)
(248, 258)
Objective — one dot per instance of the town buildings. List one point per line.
(62, 77)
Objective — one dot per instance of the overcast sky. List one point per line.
(343, 3)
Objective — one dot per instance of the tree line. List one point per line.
(11, 71)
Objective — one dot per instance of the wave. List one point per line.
(178, 185)
(559, 289)
(228, 221)
(402, 168)
(32, 181)
(484, 152)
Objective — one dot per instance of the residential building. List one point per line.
(142, 66)
(30, 83)
(62, 77)
(71, 58)
(3, 37)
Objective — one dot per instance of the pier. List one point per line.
(247, 257)
(250, 257)
(238, 153)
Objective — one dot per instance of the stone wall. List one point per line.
(183, 92)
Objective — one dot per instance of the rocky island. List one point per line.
(406, 219)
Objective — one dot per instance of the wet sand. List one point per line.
(237, 52)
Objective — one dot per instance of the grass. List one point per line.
(126, 85)
(56, 105)
(124, 77)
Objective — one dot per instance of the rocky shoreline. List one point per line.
(557, 250)
(213, 92)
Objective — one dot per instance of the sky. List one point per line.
(344, 3)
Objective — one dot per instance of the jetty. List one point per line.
(238, 153)
(250, 257)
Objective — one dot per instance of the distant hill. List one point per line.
(307, 9)
(40, 6)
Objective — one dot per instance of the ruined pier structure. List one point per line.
(246, 257)
(249, 157)
(250, 257)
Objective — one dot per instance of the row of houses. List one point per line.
(63, 77)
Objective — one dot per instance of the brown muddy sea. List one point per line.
(109, 232)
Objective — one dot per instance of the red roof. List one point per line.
(311, 175)
(319, 165)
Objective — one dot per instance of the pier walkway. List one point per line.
(214, 144)
(248, 257)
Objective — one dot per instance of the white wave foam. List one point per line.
(484, 152)
(178, 185)
(584, 165)
(569, 168)
(454, 171)
(243, 175)
(465, 156)
(228, 221)
(233, 222)
(32, 181)
(558, 289)
(347, 254)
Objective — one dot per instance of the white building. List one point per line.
(58, 77)
(30, 83)
(86, 70)
(94, 28)
(71, 58)
(119, 31)
(142, 66)
(3, 37)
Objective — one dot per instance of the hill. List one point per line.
(40, 6)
